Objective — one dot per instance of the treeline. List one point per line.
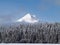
(31, 33)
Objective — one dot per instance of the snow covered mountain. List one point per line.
(28, 18)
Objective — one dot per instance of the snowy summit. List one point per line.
(28, 18)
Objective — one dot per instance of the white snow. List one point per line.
(28, 18)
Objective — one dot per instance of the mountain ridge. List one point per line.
(28, 18)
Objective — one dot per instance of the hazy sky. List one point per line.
(45, 10)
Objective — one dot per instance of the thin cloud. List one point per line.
(57, 2)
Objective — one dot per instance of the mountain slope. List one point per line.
(28, 18)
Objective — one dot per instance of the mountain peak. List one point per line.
(28, 18)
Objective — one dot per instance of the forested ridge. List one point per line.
(30, 33)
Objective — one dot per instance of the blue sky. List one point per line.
(45, 10)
